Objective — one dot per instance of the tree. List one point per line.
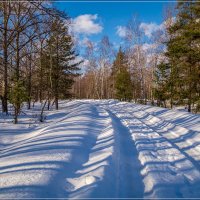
(17, 90)
(25, 30)
(91, 75)
(106, 52)
(162, 83)
(95, 82)
(183, 51)
(62, 64)
(24, 20)
(122, 84)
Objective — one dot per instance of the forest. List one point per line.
(40, 62)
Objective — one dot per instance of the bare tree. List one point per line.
(6, 38)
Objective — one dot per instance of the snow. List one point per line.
(100, 149)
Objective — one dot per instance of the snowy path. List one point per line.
(102, 149)
(168, 169)
(129, 179)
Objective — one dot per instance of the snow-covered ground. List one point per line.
(101, 149)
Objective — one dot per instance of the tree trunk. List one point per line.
(5, 57)
(17, 104)
(56, 102)
(42, 111)
(30, 80)
(16, 115)
(189, 99)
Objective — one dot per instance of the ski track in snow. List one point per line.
(103, 149)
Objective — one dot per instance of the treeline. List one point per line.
(163, 71)
(38, 59)
(178, 76)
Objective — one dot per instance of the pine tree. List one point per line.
(121, 78)
(17, 95)
(62, 65)
(162, 83)
(183, 51)
(123, 85)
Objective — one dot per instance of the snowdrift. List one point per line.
(102, 149)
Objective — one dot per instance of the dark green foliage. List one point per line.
(17, 95)
(38, 59)
(60, 64)
(123, 85)
(121, 78)
(183, 53)
(162, 80)
(120, 62)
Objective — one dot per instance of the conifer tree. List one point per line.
(162, 83)
(121, 78)
(123, 85)
(183, 51)
(62, 65)
(17, 95)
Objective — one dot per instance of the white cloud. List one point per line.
(86, 24)
(150, 28)
(121, 31)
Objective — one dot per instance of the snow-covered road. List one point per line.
(103, 149)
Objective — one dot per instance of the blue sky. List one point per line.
(106, 17)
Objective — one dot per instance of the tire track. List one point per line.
(89, 179)
(129, 179)
(164, 164)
